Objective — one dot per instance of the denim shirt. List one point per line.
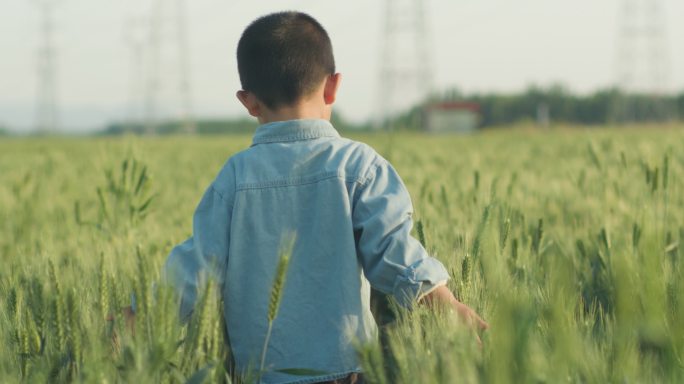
(351, 215)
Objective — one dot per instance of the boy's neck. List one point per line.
(299, 111)
(317, 105)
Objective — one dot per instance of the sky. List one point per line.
(474, 45)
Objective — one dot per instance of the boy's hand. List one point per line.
(128, 315)
(469, 316)
(129, 320)
(442, 295)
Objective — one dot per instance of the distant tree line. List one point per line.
(557, 105)
(599, 108)
(552, 105)
(167, 127)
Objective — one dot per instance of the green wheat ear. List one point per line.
(285, 253)
(279, 279)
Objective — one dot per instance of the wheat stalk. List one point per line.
(58, 308)
(277, 292)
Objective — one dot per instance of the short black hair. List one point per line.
(283, 56)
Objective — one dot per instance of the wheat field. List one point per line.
(568, 242)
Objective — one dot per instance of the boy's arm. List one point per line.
(202, 257)
(393, 261)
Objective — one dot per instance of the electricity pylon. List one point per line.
(134, 37)
(643, 67)
(168, 44)
(405, 76)
(46, 119)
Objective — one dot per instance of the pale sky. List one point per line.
(476, 45)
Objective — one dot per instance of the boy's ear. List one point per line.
(332, 84)
(250, 102)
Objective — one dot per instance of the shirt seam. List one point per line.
(365, 181)
(216, 191)
(328, 377)
(432, 289)
(297, 181)
(222, 197)
(371, 172)
(289, 138)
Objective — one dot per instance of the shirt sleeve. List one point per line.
(203, 256)
(393, 261)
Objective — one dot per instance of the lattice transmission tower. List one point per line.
(643, 65)
(405, 77)
(135, 37)
(47, 118)
(168, 63)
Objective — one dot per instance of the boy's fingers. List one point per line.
(475, 321)
(483, 325)
(470, 317)
(128, 312)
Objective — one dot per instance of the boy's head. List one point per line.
(284, 57)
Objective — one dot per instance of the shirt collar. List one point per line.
(293, 130)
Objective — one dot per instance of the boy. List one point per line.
(347, 206)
